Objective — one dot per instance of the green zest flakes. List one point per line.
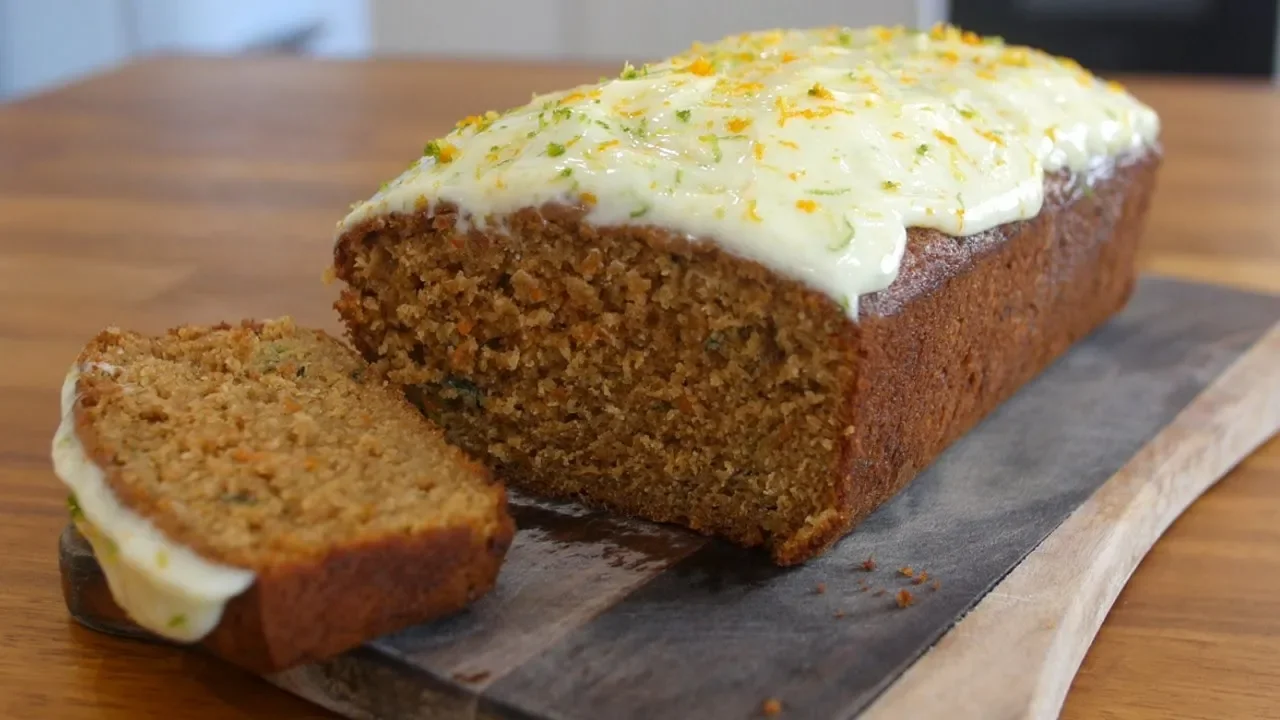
(441, 152)
(845, 239)
(714, 141)
(73, 507)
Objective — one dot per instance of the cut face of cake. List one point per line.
(259, 490)
(755, 288)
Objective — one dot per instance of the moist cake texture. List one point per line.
(259, 489)
(756, 288)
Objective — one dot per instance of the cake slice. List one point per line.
(258, 490)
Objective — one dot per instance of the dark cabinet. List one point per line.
(1201, 37)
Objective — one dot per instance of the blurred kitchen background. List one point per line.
(45, 43)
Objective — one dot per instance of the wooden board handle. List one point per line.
(1016, 654)
(1013, 656)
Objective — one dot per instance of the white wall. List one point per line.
(215, 26)
(229, 26)
(44, 43)
(610, 29)
(49, 42)
(346, 31)
(504, 28)
(658, 28)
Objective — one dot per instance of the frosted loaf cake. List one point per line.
(754, 288)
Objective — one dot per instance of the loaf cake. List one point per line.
(258, 490)
(753, 289)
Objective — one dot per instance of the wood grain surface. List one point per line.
(197, 190)
(597, 616)
(1016, 654)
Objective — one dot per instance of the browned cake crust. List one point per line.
(298, 614)
(631, 368)
(316, 595)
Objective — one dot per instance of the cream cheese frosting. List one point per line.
(809, 151)
(163, 586)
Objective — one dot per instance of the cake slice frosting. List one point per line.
(161, 584)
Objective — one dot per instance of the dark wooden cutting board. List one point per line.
(1029, 526)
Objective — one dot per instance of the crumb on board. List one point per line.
(920, 579)
(838, 614)
(906, 571)
(904, 598)
(869, 564)
(771, 707)
(937, 585)
(820, 588)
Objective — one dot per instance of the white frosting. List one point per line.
(163, 586)
(810, 151)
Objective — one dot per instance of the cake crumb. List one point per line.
(906, 571)
(869, 564)
(904, 598)
(821, 588)
(838, 614)
(920, 579)
(474, 677)
(937, 585)
(771, 707)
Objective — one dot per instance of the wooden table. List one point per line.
(200, 190)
